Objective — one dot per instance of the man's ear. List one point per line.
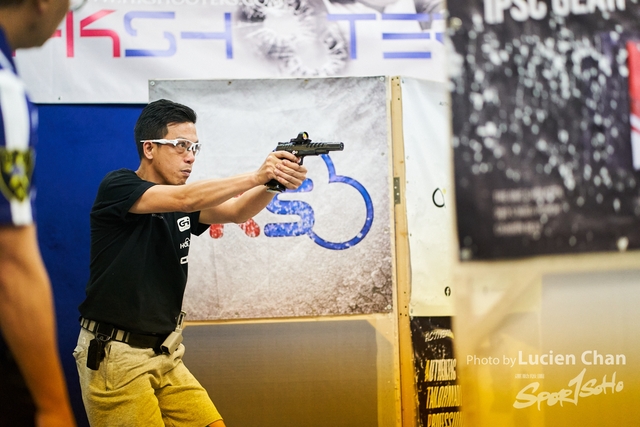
(147, 150)
(42, 5)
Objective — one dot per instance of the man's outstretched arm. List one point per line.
(28, 325)
(250, 203)
(215, 198)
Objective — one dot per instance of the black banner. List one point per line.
(545, 154)
(439, 396)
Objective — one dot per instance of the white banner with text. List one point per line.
(108, 50)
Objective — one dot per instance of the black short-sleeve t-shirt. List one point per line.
(138, 269)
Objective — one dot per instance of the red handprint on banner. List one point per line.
(250, 228)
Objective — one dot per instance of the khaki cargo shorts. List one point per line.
(135, 387)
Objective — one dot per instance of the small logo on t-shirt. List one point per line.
(184, 223)
(186, 243)
(184, 260)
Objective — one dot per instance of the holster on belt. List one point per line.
(96, 346)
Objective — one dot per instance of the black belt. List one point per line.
(131, 338)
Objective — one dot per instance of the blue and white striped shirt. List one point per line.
(18, 136)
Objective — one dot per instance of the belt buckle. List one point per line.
(104, 332)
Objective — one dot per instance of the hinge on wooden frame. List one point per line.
(396, 190)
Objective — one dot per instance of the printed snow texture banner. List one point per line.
(322, 250)
(545, 125)
(107, 51)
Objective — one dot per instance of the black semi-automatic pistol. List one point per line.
(302, 146)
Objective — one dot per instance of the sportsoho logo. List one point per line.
(306, 214)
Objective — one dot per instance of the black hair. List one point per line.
(156, 116)
(10, 3)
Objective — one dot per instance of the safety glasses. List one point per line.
(181, 145)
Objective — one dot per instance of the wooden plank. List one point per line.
(408, 394)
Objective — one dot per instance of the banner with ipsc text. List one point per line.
(546, 113)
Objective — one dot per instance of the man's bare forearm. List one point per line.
(28, 323)
(239, 209)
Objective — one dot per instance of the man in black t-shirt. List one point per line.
(129, 357)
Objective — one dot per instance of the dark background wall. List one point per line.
(78, 145)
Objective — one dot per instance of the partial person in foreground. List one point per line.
(32, 386)
(129, 353)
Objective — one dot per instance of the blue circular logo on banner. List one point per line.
(306, 214)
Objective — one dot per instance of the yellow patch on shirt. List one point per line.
(16, 169)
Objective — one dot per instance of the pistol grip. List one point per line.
(274, 186)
